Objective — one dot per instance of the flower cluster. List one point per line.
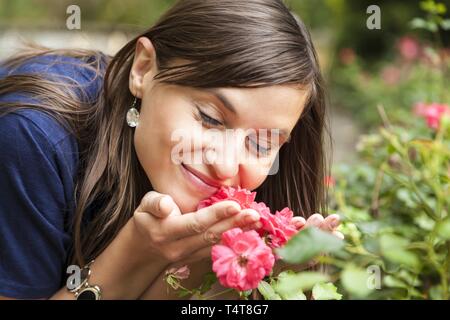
(244, 258)
(432, 113)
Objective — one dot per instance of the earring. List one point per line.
(133, 115)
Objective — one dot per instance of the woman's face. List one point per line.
(191, 141)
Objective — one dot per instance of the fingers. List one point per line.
(159, 205)
(246, 219)
(198, 222)
(199, 255)
(331, 222)
(314, 221)
(298, 222)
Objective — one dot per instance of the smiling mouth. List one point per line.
(207, 181)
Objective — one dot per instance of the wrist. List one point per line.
(125, 268)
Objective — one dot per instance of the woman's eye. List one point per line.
(260, 150)
(209, 120)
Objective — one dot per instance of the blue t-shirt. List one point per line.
(38, 166)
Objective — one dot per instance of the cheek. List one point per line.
(152, 140)
(256, 173)
(157, 139)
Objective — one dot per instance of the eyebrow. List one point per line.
(222, 98)
(226, 102)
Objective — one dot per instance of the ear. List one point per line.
(143, 68)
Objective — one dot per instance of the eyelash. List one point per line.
(261, 151)
(209, 121)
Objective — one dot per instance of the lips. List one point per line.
(208, 181)
(203, 177)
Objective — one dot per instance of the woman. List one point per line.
(88, 173)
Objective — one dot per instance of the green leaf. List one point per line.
(436, 293)
(183, 293)
(444, 229)
(267, 291)
(433, 7)
(355, 281)
(208, 280)
(325, 291)
(291, 284)
(432, 26)
(445, 24)
(296, 296)
(392, 282)
(307, 244)
(418, 23)
(425, 222)
(370, 228)
(407, 197)
(393, 248)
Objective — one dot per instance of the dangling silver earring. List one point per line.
(133, 115)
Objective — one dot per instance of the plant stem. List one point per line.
(218, 294)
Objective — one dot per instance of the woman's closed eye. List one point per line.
(209, 122)
(206, 120)
(257, 148)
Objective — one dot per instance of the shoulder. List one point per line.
(22, 124)
(38, 152)
(86, 74)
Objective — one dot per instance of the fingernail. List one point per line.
(334, 223)
(299, 224)
(232, 210)
(251, 218)
(164, 202)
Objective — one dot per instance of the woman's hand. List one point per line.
(330, 223)
(172, 236)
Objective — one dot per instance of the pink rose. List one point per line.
(432, 113)
(242, 259)
(391, 75)
(409, 48)
(242, 196)
(347, 56)
(277, 228)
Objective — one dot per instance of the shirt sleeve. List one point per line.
(34, 205)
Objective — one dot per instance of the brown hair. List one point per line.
(227, 43)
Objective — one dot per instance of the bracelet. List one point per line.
(85, 291)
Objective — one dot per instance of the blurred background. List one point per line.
(389, 110)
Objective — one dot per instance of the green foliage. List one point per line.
(354, 280)
(418, 72)
(325, 291)
(137, 14)
(401, 221)
(435, 17)
(308, 244)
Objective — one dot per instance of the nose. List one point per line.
(225, 154)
